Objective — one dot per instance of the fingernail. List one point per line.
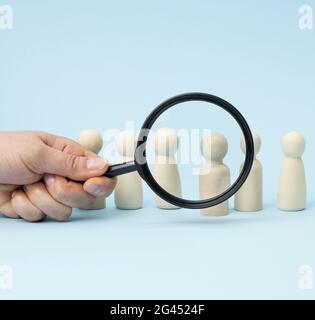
(49, 180)
(13, 194)
(95, 163)
(95, 189)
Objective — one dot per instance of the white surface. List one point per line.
(154, 253)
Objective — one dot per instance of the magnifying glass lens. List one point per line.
(193, 152)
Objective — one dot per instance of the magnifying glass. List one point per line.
(213, 148)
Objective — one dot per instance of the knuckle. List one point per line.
(7, 210)
(72, 162)
(35, 216)
(33, 188)
(43, 135)
(58, 192)
(25, 212)
(64, 215)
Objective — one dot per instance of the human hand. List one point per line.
(47, 175)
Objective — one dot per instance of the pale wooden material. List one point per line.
(292, 188)
(215, 176)
(92, 140)
(250, 197)
(128, 192)
(165, 170)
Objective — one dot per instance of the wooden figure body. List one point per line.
(250, 197)
(215, 176)
(292, 188)
(165, 170)
(128, 192)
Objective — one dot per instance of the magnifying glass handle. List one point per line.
(120, 169)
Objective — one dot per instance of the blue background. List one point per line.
(71, 65)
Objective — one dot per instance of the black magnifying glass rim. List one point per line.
(143, 168)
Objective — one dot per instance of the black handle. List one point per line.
(120, 168)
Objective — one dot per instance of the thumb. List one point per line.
(72, 166)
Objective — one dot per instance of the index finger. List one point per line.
(66, 145)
